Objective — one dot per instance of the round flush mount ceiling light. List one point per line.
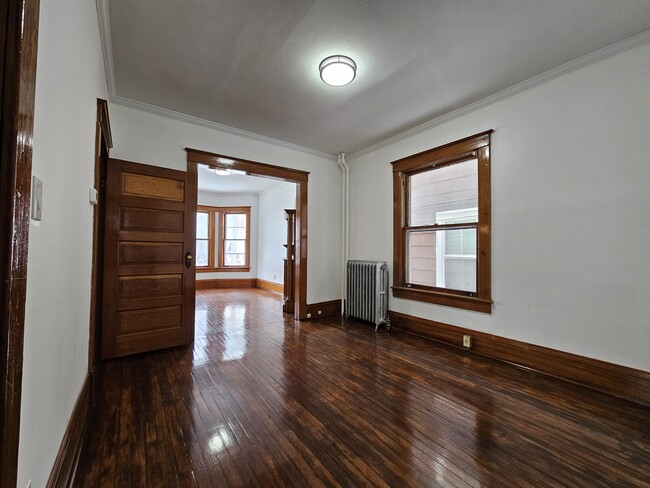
(337, 70)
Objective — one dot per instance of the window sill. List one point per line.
(233, 269)
(447, 299)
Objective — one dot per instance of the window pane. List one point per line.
(436, 193)
(461, 242)
(201, 252)
(235, 259)
(202, 225)
(235, 233)
(442, 258)
(235, 226)
(236, 247)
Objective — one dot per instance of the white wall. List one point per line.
(153, 139)
(273, 231)
(224, 200)
(570, 211)
(70, 77)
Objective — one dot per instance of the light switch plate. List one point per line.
(93, 196)
(37, 198)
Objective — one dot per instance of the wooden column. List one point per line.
(288, 305)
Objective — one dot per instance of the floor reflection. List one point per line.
(264, 401)
(220, 440)
(234, 331)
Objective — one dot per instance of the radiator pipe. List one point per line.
(345, 225)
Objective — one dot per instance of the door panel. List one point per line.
(148, 289)
(148, 220)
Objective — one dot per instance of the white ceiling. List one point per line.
(234, 183)
(253, 64)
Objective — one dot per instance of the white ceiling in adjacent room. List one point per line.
(234, 183)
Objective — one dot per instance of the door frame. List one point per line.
(300, 178)
(103, 144)
(18, 49)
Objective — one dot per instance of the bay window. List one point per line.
(222, 238)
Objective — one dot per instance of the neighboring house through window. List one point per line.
(442, 225)
(222, 238)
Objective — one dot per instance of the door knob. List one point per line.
(188, 259)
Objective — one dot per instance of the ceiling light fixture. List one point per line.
(337, 70)
(220, 171)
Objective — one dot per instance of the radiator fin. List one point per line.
(367, 291)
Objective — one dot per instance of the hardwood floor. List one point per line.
(261, 401)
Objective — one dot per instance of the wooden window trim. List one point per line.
(476, 146)
(216, 259)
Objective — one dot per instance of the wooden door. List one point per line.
(149, 273)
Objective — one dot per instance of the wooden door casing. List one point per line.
(288, 301)
(149, 228)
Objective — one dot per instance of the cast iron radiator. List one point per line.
(367, 292)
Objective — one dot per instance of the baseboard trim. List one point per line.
(620, 381)
(65, 464)
(269, 285)
(225, 283)
(333, 307)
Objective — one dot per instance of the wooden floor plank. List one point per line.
(260, 400)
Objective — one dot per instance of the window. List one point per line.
(222, 238)
(442, 225)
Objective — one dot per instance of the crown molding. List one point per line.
(190, 119)
(104, 20)
(566, 68)
(578, 63)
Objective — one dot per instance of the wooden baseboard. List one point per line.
(269, 285)
(65, 464)
(620, 381)
(225, 283)
(333, 307)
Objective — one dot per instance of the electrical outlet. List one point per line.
(319, 312)
(467, 341)
(308, 315)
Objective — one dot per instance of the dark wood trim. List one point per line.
(65, 464)
(332, 307)
(18, 51)
(195, 157)
(476, 146)
(189, 279)
(226, 283)
(613, 379)
(103, 144)
(448, 299)
(300, 254)
(269, 285)
(105, 122)
(450, 152)
(252, 167)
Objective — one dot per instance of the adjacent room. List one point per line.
(325, 243)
